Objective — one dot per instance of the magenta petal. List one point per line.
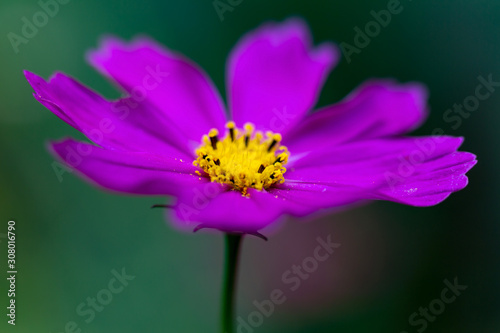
(374, 110)
(415, 171)
(334, 177)
(170, 82)
(304, 198)
(427, 187)
(216, 206)
(117, 125)
(275, 76)
(130, 172)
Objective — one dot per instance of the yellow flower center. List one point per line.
(243, 158)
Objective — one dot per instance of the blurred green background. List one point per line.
(392, 260)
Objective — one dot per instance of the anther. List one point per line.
(231, 125)
(249, 128)
(213, 137)
(276, 139)
(248, 158)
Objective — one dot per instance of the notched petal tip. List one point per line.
(327, 53)
(107, 44)
(417, 92)
(278, 32)
(34, 80)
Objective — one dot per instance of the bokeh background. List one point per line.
(393, 259)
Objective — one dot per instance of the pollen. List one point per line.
(244, 158)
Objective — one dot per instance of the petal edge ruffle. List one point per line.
(274, 75)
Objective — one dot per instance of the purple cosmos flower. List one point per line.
(271, 156)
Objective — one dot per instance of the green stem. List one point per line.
(233, 243)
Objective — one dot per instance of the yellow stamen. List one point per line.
(243, 158)
(230, 126)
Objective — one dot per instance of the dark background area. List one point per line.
(393, 259)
